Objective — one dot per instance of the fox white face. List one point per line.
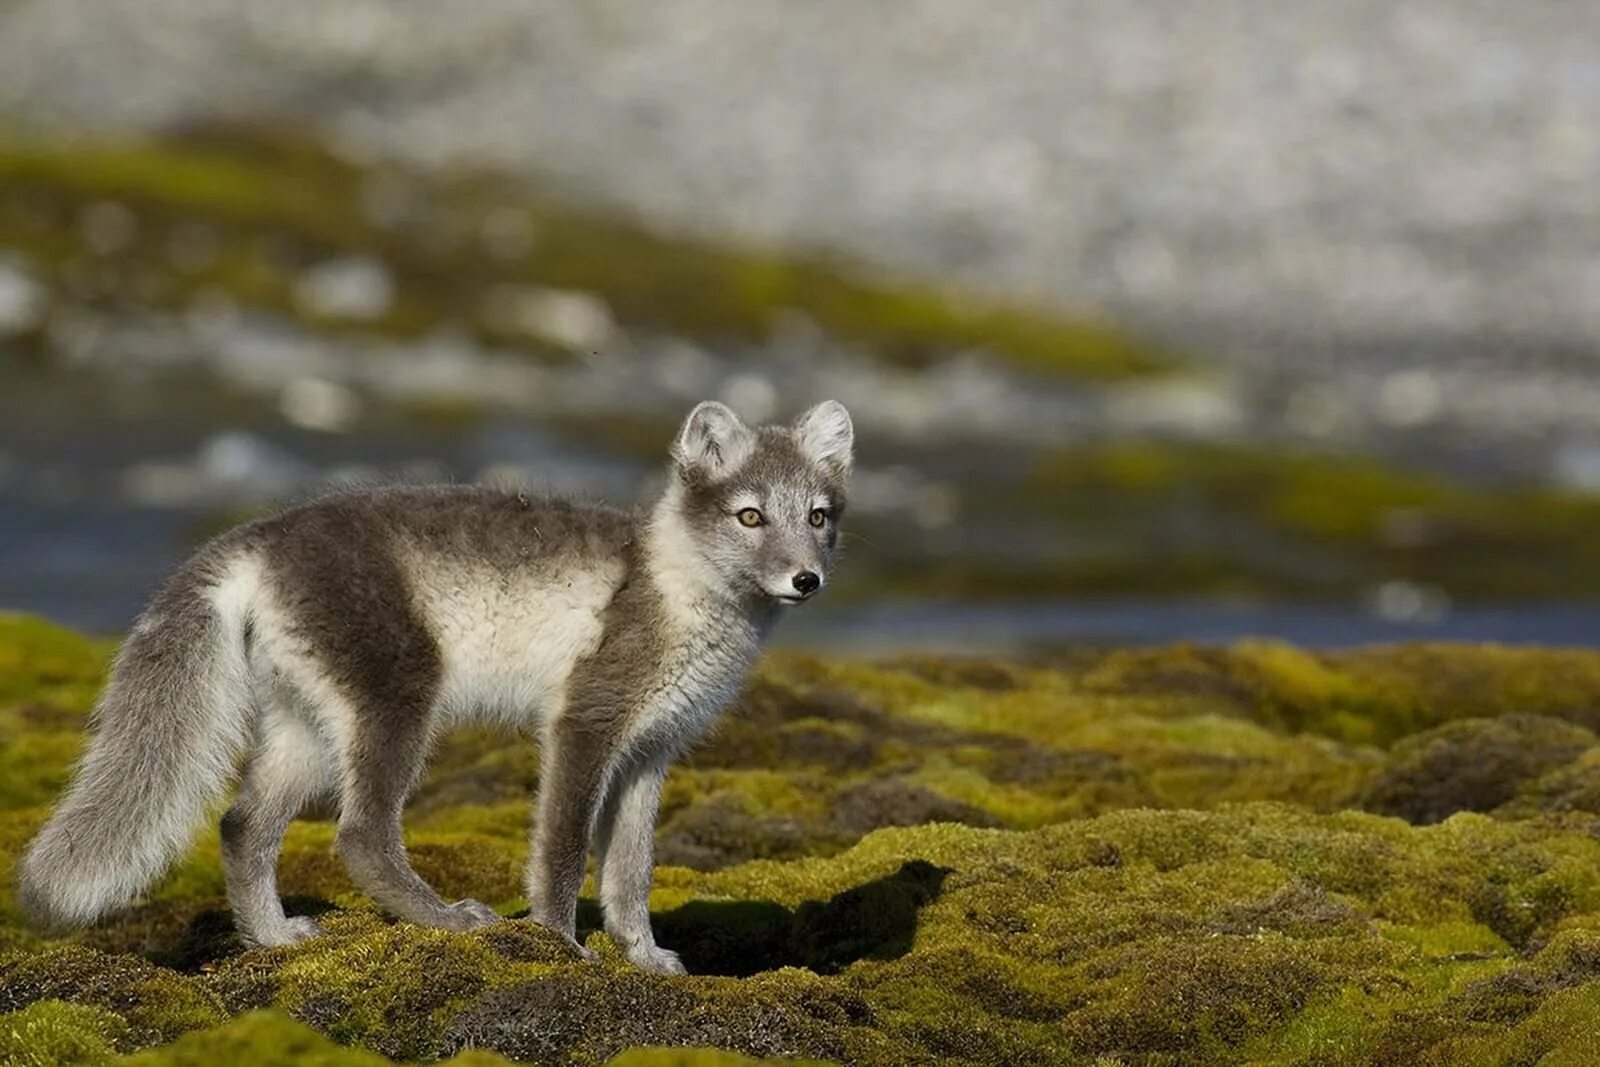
(763, 504)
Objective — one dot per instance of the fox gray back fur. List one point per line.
(320, 651)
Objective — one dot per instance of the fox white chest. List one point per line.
(509, 642)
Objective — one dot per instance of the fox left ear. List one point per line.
(826, 436)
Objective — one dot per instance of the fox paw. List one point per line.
(302, 928)
(294, 930)
(469, 915)
(656, 959)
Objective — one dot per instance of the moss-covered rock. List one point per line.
(1471, 765)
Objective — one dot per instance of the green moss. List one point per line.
(589, 1014)
(1363, 695)
(1138, 935)
(156, 1003)
(208, 182)
(269, 1039)
(1195, 996)
(392, 988)
(34, 766)
(1574, 787)
(1140, 857)
(53, 1033)
(45, 667)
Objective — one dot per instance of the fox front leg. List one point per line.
(626, 850)
(571, 784)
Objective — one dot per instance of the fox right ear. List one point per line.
(713, 440)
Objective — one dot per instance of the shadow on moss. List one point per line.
(743, 937)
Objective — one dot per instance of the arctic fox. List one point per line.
(324, 648)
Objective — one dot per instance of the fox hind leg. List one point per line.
(289, 768)
(383, 760)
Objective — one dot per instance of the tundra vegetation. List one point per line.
(1177, 855)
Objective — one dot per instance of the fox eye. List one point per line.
(819, 516)
(750, 517)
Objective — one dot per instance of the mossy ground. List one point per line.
(1181, 855)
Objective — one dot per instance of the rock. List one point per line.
(23, 301)
(581, 322)
(355, 288)
(316, 404)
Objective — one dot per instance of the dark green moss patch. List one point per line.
(895, 802)
(589, 1015)
(181, 935)
(728, 827)
(156, 1003)
(1301, 908)
(1471, 765)
(1171, 997)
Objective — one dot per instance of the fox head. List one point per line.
(759, 506)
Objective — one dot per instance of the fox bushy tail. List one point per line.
(171, 727)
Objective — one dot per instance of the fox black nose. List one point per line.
(806, 583)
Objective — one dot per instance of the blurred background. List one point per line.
(1159, 320)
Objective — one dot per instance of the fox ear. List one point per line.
(826, 436)
(713, 440)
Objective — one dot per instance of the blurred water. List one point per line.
(931, 626)
(93, 569)
(92, 563)
(107, 482)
